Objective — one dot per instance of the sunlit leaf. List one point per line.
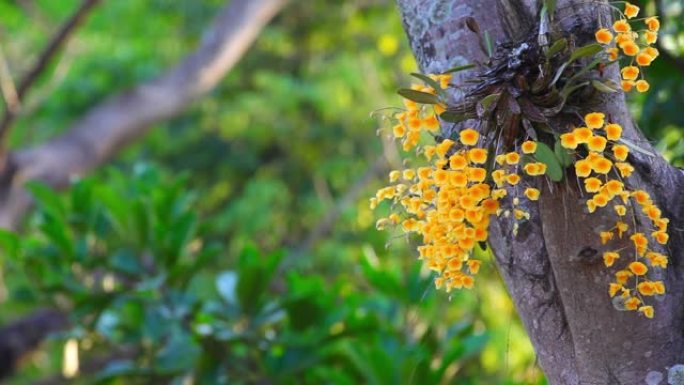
(562, 154)
(556, 47)
(553, 168)
(428, 81)
(585, 51)
(418, 96)
(607, 86)
(459, 68)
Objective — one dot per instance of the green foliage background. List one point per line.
(199, 249)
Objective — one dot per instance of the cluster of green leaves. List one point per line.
(127, 261)
(659, 113)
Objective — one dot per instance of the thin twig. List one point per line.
(50, 51)
(9, 91)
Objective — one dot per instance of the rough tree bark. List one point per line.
(553, 268)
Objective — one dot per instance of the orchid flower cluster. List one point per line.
(465, 182)
(626, 41)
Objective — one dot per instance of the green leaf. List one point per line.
(452, 117)
(635, 147)
(47, 198)
(607, 86)
(488, 43)
(546, 156)
(10, 243)
(488, 100)
(427, 80)
(558, 74)
(59, 234)
(550, 7)
(126, 261)
(459, 68)
(556, 47)
(180, 354)
(418, 96)
(562, 154)
(587, 50)
(255, 272)
(180, 233)
(568, 89)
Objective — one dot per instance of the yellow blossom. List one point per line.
(529, 147)
(604, 36)
(630, 72)
(469, 137)
(597, 143)
(647, 311)
(630, 48)
(582, 168)
(595, 120)
(621, 26)
(625, 169)
(646, 288)
(622, 276)
(613, 131)
(661, 237)
(614, 288)
(601, 165)
(622, 227)
(474, 266)
(638, 268)
(535, 168)
(477, 155)
(606, 236)
(569, 141)
(532, 193)
(632, 303)
(592, 185)
(583, 134)
(513, 179)
(458, 162)
(642, 85)
(631, 10)
(612, 53)
(512, 158)
(431, 123)
(653, 24)
(644, 59)
(609, 258)
(444, 147)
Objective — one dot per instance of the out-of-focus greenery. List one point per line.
(201, 265)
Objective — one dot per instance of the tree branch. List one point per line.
(125, 117)
(25, 335)
(50, 51)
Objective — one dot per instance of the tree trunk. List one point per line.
(553, 267)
